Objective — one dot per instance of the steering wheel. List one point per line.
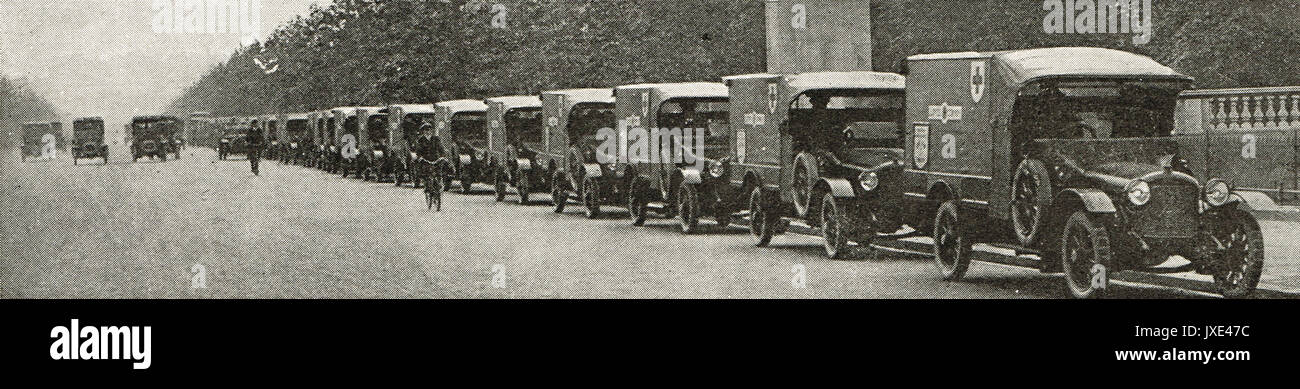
(1086, 129)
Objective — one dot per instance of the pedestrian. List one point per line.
(254, 144)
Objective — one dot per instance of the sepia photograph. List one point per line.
(247, 155)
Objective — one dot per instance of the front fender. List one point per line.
(839, 187)
(1093, 200)
(1253, 202)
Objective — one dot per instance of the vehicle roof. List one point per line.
(88, 118)
(414, 108)
(36, 124)
(584, 95)
(153, 118)
(463, 105)
(845, 80)
(298, 116)
(1239, 91)
(1027, 65)
(674, 90)
(352, 110)
(512, 102)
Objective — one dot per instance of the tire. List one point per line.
(1085, 255)
(805, 176)
(762, 220)
(466, 184)
(834, 220)
(1031, 196)
(688, 208)
(499, 187)
(591, 198)
(636, 204)
(559, 196)
(1243, 255)
(952, 246)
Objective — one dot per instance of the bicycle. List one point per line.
(435, 181)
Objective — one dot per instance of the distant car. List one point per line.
(40, 140)
(232, 144)
(88, 138)
(152, 136)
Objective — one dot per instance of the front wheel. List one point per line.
(559, 196)
(834, 221)
(636, 205)
(1085, 254)
(952, 248)
(688, 208)
(499, 187)
(1242, 257)
(523, 187)
(591, 198)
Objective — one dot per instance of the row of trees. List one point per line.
(19, 104)
(369, 52)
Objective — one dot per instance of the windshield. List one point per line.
(468, 127)
(524, 126)
(585, 120)
(411, 124)
(708, 115)
(852, 118)
(1095, 110)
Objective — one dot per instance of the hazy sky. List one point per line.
(103, 57)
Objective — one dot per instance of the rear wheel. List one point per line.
(952, 248)
(1242, 256)
(1031, 197)
(762, 221)
(1085, 254)
(833, 222)
(591, 198)
(688, 208)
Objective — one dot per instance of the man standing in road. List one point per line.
(254, 144)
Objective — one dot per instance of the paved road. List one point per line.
(139, 230)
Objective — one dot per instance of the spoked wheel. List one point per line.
(499, 187)
(559, 196)
(951, 247)
(591, 198)
(762, 221)
(1085, 254)
(1242, 258)
(834, 221)
(636, 205)
(1031, 196)
(466, 184)
(688, 208)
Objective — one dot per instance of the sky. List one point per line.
(104, 57)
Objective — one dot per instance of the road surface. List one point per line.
(202, 228)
